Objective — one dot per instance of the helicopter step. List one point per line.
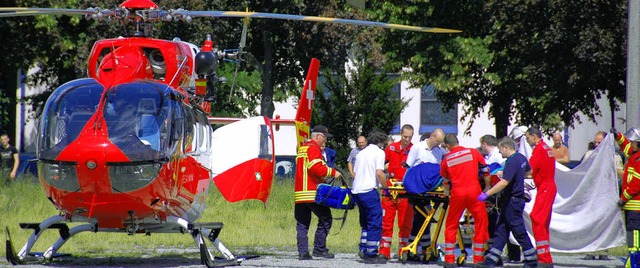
(213, 227)
(210, 230)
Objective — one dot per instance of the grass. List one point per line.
(250, 227)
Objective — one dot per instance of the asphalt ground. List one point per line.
(289, 260)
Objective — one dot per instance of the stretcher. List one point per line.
(431, 201)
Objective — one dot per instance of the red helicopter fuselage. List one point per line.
(125, 146)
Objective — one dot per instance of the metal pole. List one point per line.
(20, 135)
(633, 65)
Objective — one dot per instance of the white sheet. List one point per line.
(585, 215)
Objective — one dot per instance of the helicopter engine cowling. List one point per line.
(156, 60)
(206, 63)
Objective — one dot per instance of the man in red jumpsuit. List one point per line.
(543, 171)
(396, 155)
(311, 171)
(460, 169)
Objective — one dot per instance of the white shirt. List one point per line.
(494, 157)
(370, 160)
(420, 153)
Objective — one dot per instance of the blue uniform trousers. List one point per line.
(370, 210)
(510, 220)
(302, 213)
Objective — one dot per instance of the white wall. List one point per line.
(285, 138)
(581, 134)
(411, 115)
(578, 136)
(27, 132)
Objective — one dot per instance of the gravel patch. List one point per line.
(277, 258)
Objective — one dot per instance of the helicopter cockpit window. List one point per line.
(203, 130)
(190, 142)
(137, 118)
(66, 113)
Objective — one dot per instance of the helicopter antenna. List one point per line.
(243, 42)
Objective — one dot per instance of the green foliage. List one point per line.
(4, 113)
(356, 103)
(509, 60)
(281, 50)
(289, 45)
(245, 97)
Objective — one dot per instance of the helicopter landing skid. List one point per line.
(197, 230)
(10, 252)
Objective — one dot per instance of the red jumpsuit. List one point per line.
(543, 170)
(461, 166)
(396, 156)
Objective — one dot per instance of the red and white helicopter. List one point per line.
(130, 149)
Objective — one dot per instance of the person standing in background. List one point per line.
(489, 144)
(9, 160)
(329, 155)
(560, 152)
(361, 142)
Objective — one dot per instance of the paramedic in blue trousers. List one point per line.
(426, 151)
(489, 144)
(630, 197)
(311, 171)
(369, 170)
(511, 205)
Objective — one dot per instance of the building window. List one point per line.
(395, 91)
(431, 115)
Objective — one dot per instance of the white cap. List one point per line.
(517, 132)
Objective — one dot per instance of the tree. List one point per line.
(509, 60)
(355, 103)
(283, 49)
(44, 43)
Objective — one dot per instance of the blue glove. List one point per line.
(483, 196)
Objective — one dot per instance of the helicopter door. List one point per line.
(243, 159)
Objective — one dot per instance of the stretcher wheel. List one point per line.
(428, 256)
(431, 256)
(461, 259)
(404, 257)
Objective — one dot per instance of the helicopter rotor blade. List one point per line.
(243, 42)
(241, 14)
(181, 14)
(29, 11)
